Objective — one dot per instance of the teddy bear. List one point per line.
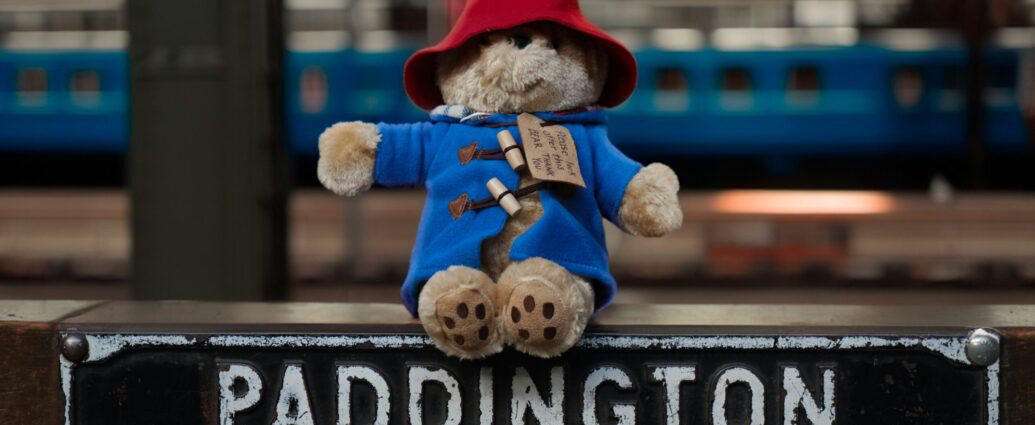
(510, 251)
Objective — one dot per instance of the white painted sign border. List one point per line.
(105, 345)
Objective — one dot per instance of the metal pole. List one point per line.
(975, 27)
(1028, 93)
(207, 160)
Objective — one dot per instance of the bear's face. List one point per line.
(536, 67)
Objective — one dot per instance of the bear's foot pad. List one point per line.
(457, 309)
(466, 318)
(544, 308)
(533, 317)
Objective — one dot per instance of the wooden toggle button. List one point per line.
(512, 150)
(503, 196)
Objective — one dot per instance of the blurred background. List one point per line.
(830, 151)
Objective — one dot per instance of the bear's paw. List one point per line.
(347, 154)
(650, 206)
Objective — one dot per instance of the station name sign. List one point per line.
(606, 379)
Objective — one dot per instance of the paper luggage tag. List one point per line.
(549, 151)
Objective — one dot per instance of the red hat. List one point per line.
(480, 16)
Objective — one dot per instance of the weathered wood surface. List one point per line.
(1018, 364)
(29, 334)
(233, 316)
(29, 380)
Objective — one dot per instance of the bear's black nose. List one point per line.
(520, 41)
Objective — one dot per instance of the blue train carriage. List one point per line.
(862, 99)
(858, 99)
(64, 100)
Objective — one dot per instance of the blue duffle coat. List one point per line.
(570, 231)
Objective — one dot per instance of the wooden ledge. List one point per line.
(147, 315)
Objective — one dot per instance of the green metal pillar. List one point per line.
(207, 159)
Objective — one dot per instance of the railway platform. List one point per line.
(984, 239)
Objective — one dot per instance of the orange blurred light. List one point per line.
(801, 202)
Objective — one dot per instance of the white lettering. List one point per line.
(526, 396)
(797, 394)
(349, 374)
(625, 413)
(293, 406)
(240, 388)
(738, 375)
(417, 377)
(672, 377)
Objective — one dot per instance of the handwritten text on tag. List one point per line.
(549, 151)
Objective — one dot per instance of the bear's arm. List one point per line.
(650, 206)
(643, 201)
(612, 172)
(402, 155)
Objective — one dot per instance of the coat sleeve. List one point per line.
(612, 171)
(401, 155)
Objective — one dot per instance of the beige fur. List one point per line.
(347, 153)
(559, 70)
(496, 250)
(650, 206)
(542, 281)
(436, 306)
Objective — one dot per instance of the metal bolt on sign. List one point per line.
(982, 347)
(75, 348)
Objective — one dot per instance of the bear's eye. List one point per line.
(554, 43)
(520, 40)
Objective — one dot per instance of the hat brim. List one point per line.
(419, 72)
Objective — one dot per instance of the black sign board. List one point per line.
(327, 379)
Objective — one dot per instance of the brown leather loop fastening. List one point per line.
(466, 154)
(461, 205)
(489, 154)
(458, 206)
(481, 204)
(530, 189)
(471, 151)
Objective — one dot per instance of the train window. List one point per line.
(999, 89)
(313, 93)
(671, 90)
(736, 86)
(32, 86)
(736, 80)
(803, 79)
(1002, 76)
(908, 86)
(950, 95)
(803, 86)
(32, 80)
(85, 81)
(85, 86)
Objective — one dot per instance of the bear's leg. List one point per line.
(544, 307)
(457, 308)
